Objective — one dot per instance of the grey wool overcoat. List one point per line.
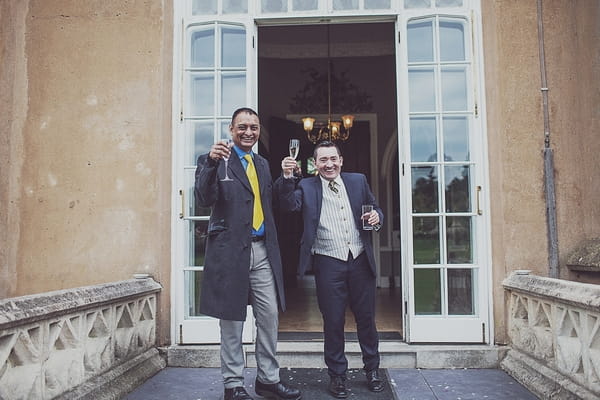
(225, 282)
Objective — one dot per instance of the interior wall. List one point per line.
(281, 79)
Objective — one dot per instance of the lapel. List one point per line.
(238, 171)
(261, 171)
(352, 193)
(318, 186)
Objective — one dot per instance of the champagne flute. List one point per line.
(294, 148)
(229, 143)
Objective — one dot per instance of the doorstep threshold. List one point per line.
(309, 353)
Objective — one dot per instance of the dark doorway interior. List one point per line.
(292, 63)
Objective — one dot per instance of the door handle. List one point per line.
(479, 211)
(182, 212)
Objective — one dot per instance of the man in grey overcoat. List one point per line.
(243, 263)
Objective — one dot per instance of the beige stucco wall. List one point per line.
(86, 172)
(85, 140)
(515, 124)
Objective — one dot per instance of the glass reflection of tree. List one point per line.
(457, 192)
(458, 228)
(425, 192)
(425, 229)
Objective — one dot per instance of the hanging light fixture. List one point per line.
(332, 130)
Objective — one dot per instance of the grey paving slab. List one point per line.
(457, 384)
(410, 384)
(404, 384)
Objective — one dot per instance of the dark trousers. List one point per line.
(339, 284)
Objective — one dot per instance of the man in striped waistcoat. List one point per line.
(340, 253)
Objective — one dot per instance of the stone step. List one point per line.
(310, 355)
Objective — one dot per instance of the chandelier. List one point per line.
(331, 130)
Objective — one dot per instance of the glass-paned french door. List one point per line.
(216, 77)
(442, 155)
(445, 257)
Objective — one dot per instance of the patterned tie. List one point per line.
(333, 187)
(257, 215)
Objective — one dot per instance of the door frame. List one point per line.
(251, 21)
(482, 243)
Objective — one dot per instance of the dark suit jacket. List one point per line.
(225, 282)
(306, 195)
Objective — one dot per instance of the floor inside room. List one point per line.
(303, 318)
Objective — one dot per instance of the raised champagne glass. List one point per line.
(294, 148)
(230, 145)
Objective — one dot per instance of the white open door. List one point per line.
(214, 74)
(443, 179)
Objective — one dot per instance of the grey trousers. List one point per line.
(263, 299)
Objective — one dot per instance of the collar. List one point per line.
(241, 153)
(338, 180)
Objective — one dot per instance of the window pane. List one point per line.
(457, 188)
(461, 295)
(345, 4)
(456, 138)
(375, 4)
(198, 235)
(192, 282)
(449, 3)
(459, 238)
(420, 42)
(417, 3)
(201, 137)
(426, 240)
(234, 47)
(204, 7)
(452, 41)
(428, 289)
(201, 101)
(301, 5)
(234, 92)
(421, 90)
(423, 139)
(235, 6)
(203, 48)
(424, 189)
(273, 5)
(454, 89)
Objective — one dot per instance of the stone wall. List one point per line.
(62, 343)
(554, 330)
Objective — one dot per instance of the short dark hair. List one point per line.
(326, 143)
(243, 110)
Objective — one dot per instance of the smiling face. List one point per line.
(245, 130)
(328, 162)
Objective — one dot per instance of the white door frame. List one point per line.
(451, 328)
(180, 203)
(197, 329)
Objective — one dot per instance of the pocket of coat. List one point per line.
(216, 227)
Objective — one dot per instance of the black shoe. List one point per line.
(374, 381)
(337, 387)
(277, 390)
(237, 393)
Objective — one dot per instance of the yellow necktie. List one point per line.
(257, 215)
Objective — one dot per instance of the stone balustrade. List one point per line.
(60, 344)
(554, 329)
